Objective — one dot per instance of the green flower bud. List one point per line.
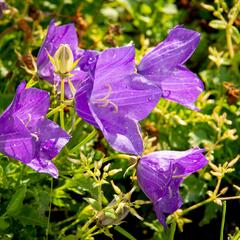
(63, 59)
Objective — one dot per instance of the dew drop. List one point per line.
(150, 99)
(166, 93)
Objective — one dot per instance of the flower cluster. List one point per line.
(113, 94)
(25, 133)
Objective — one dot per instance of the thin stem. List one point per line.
(237, 236)
(62, 99)
(88, 223)
(197, 205)
(121, 156)
(223, 220)
(229, 40)
(173, 229)
(230, 198)
(49, 209)
(217, 186)
(124, 233)
(85, 140)
(55, 110)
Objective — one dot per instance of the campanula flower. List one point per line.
(164, 67)
(25, 133)
(160, 174)
(60, 45)
(114, 98)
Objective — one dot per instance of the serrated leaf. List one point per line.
(16, 202)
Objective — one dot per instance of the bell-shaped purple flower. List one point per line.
(25, 133)
(164, 67)
(57, 36)
(161, 173)
(114, 98)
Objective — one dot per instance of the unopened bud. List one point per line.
(63, 59)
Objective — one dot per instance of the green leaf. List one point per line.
(218, 24)
(235, 35)
(124, 233)
(15, 204)
(210, 213)
(31, 216)
(3, 224)
(94, 203)
(193, 189)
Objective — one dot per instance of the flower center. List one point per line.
(104, 101)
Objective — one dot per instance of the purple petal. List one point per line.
(122, 133)
(173, 51)
(43, 166)
(88, 61)
(13, 106)
(181, 86)
(154, 176)
(191, 160)
(113, 65)
(32, 104)
(51, 138)
(168, 204)
(161, 173)
(77, 80)
(56, 35)
(81, 102)
(15, 139)
(133, 96)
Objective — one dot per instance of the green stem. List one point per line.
(237, 236)
(88, 223)
(49, 209)
(229, 40)
(124, 233)
(173, 229)
(62, 99)
(223, 220)
(55, 110)
(197, 205)
(230, 198)
(116, 156)
(85, 140)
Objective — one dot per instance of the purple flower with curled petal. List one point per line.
(161, 173)
(164, 67)
(57, 36)
(114, 98)
(25, 133)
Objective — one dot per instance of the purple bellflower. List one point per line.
(113, 98)
(161, 173)
(25, 133)
(58, 36)
(164, 67)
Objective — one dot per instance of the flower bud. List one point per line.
(63, 59)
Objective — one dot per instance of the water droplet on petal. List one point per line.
(150, 99)
(166, 93)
